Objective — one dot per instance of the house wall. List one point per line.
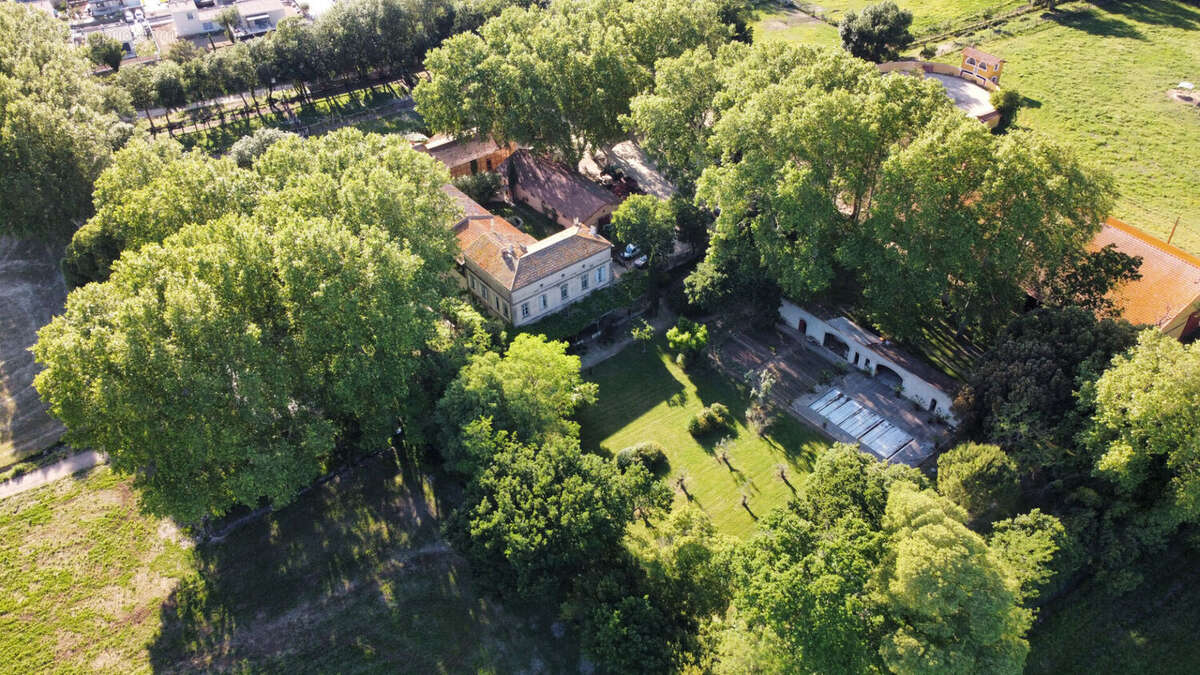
(551, 287)
(507, 305)
(486, 163)
(188, 22)
(915, 388)
(984, 72)
(1184, 323)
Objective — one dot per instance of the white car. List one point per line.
(631, 251)
(139, 14)
(128, 16)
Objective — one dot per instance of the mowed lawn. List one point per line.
(1149, 630)
(1097, 78)
(353, 577)
(645, 396)
(794, 26)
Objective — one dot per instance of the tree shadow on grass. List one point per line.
(1158, 12)
(351, 576)
(631, 384)
(1091, 22)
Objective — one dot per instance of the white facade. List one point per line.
(545, 296)
(859, 352)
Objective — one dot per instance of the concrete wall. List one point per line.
(486, 163)
(914, 67)
(915, 388)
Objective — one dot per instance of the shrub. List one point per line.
(249, 148)
(981, 478)
(687, 339)
(481, 187)
(711, 418)
(928, 52)
(1006, 102)
(650, 454)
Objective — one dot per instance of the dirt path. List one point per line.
(48, 474)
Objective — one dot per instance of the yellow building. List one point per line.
(981, 66)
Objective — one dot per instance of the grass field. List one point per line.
(794, 26)
(644, 396)
(1150, 630)
(351, 578)
(1096, 77)
(929, 16)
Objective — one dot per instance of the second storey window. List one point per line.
(583, 281)
(600, 274)
(545, 301)
(562, 290)
(524, 310)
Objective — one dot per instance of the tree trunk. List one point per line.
(167, 116)
(150, 119)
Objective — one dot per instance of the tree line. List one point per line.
(356, 42)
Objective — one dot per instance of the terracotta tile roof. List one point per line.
(977, 55)
(512, 258)
(455, 152)
(568, 193)
(1170, 282)
(557, 252)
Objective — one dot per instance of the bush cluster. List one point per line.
(651, 455)
(712, 418)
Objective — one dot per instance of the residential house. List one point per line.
(194, 19)
(519, 278)
(981, 66)
(103, 8)
(916, 380)
(556, 191)
(466, 157)
(1168, 294)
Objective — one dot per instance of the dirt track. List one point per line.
(31, 292)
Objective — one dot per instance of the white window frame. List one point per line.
(545, 301)
(524, 310)
(564, 292)
(600, 274)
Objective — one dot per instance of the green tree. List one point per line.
(879, 33)
(58, 126)
(981, 479)
(687, 339)
(170, 91)
(1088, 279)
(518, 79)
(536, 515)
(278, 324)
(648, 222)
(827, 171)
(481, 187)
(105, 51)
(953, 604)
(642, 333)
(228, 19)
(1039, 550)
(183, 51)
(138, 82)
(250, 355)
(249, 148)
(1143, 431)
(1022, 392)
(150, 191)
(530, 391)
(809, 577)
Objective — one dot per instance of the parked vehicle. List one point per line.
(128, 16)
(631, 251)
(139, 14)
(641, 262)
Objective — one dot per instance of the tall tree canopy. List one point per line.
(1022, 392)
(559, 79)
(869, 570)
(58, 126)
(530, 391)
(1143, 432)
(536, 516)
(824, 168)
(953, 603)
(648, 222)
(226, 362)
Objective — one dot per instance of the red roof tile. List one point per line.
(1170, 282)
